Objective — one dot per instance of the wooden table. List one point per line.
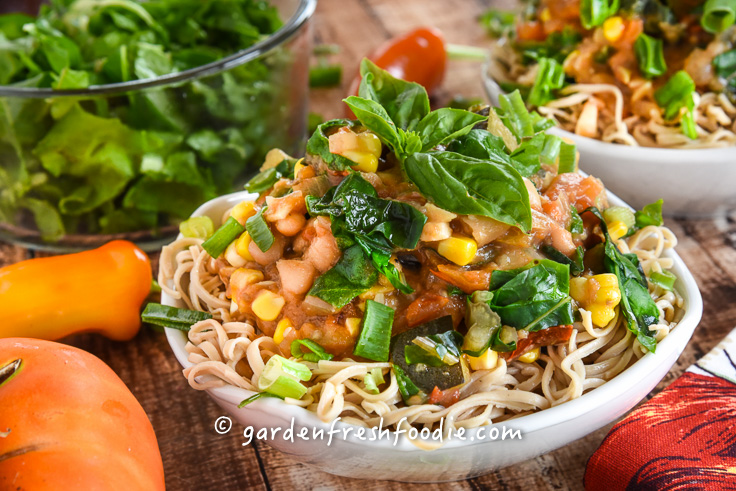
(195, 457)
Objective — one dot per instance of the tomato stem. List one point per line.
(7, 371)
(463, 52)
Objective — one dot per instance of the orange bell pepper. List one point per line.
(68, 422)
(93, 291)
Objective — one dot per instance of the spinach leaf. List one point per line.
(469, 186)
(637, 306)
(352, 275)
(406, 103)
(445, 124)
(576, 264)
(319, 145)
(534, 297)
(379, 226)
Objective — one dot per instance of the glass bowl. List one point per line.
(130, 160)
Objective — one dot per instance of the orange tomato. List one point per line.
(68, 422)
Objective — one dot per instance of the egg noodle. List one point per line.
(227, 352)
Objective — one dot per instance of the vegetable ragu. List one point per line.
(142, 159)
(428, 258)
(649, 72)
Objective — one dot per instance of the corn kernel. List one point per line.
(273, 158)
(486, 361)
(232, 257)
(599, 294)
(365, 162)
(243, 211)
(347, 140)
(267, 305)
(617, 229)
(241, 246)
(530, 356)
(281, 328)
(298, 167)
(613, 28)
(459, 250)
(353, 325)
(545, 15)
(375, 290)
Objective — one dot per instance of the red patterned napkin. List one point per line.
(684, 438)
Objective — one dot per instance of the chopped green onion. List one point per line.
(675, 94)
(227, 233)
(372, 380)
(664, 279)
(314, 352)
(259, 231)
(325, 75)
(688, 126)
(410, 393)
(650, 214)
(567, 159)
(620, 214)
(281, 377)
(551, 149)
(504, 339)
(197, 228)
(266, 179)
(718, 15)
(254, 398)
(595, 12)
(550, 76)
(650, 53)
(576, 222)
(155, 287)
(515, 115)
(375, 337)
(165, 316)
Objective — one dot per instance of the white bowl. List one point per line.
(694, 183)
(541, 432)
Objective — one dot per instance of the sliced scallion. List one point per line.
(550, 76)
(515, 114)
(650, 53)
(567, 158)
(664, 279)
(594, 12)
(165, 316)
(551, 149)
(254, 398)
(375, 337)
(197, 228)
(410, 393)
(718, 15)
(259, 231)
(372, 380)
(281, 377)
(314, 352)
(675, 94)
(219, 241)
(504, 339)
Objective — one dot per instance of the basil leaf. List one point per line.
(470, 186)
(319, 145)
(534, 297)
(374, 117)
(445, 124)
(480, 144)
(651, 214)
(352, 275)
(406, 103)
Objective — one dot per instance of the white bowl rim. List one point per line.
(693, 307)
(673, 156)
